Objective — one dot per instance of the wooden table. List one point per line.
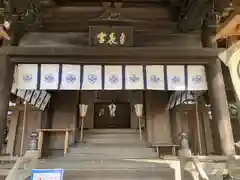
(41, 134)
(172, 146)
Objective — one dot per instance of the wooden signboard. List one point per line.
(111, 36)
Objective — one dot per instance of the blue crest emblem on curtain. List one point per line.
(155, 79)
(92, 78)
(176, 79)
(49, 78)
(197, 79)
(27, 78)
(134, 78)
(70, 78)
(113, 79)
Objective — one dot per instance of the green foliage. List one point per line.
(28, 19)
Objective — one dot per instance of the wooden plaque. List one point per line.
(111, 36)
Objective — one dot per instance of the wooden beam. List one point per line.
(91, 55)
(89, 12)
(110, 52)
(21, 108)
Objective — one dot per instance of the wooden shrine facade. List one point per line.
(135, 56)
(146, 35)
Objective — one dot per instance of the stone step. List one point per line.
(116, 169)
(134, 135)
(111, 156)
(120, 174)
(115, 141)
(100, 164)
(110, 131)
(112, 137)
(110, 150)
(122, 137)
(117, 144)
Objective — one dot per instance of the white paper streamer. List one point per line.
(45, 102)
(29, 95)
(40, 99)
(34, 97)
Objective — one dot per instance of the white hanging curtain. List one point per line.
(92, 77)
(155, 77)
(196, 78)
(27, 76)
(113, 78)
(176, 78)
(134, 77)
(70, 77)
(49, 76)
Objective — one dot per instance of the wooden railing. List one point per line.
(23, 166)
(41, 134)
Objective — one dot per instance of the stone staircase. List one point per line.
(111, 154)
(114, 154)
(112, 144)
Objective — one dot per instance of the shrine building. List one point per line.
(151, 66)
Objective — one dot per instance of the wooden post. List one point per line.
(66, 142)
(6, 79)
(219, 107)
(74, 129)
(140, 128)
(198, 130)
(207, 126)
(40, 142)
(81, 135)
(13, 130)
(24, 127)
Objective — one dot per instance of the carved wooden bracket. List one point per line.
(231, 27)
(111, 10)
(192, 14)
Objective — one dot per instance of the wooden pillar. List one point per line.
(6, 78)
(219, 107)
(207, 126)
(176, 125)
